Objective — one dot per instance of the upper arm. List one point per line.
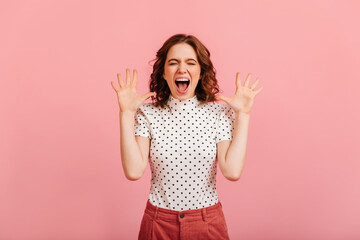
(144, 146)
(222, 148)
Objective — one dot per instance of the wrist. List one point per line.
(244, 114)
(127, 112)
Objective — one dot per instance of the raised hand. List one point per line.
(128, 98)
(244, 96)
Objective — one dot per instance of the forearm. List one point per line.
(236, 153)
(130, 152)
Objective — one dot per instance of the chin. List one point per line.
(184, 96)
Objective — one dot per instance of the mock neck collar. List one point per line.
(175, 103)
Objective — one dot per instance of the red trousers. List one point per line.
(204, 223)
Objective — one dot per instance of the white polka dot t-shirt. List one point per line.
(183, 150)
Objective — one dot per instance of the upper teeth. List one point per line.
(182, 79)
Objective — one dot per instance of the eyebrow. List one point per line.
(178, 60)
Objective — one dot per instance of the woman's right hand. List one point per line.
(129, 100)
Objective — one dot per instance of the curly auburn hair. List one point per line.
(207, 86)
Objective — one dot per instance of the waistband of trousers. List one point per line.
(185, 215)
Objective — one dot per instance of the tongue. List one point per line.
(182, 86)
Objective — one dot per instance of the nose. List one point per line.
(182, 68)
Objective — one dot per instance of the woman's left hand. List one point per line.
(244, 96)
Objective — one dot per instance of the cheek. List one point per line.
(169, 71)
(198, 71)
(197, 74)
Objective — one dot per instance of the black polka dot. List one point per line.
(183, 150)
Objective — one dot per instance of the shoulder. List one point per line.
(147, 107)
(216, 107)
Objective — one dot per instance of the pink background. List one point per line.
(60, 168)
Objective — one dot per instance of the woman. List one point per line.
(185, 134)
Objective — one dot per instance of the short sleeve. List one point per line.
(225, 124)
(141, 124)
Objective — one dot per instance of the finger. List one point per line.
(238, 82)
(135, 78)
(254, 84)
(257, 91)
(114, 86)
(127, 76)
(121, 83)
(247, 80)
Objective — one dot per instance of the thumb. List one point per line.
(222, 97)
(147, 95)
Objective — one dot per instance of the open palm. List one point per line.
(128, 98)
(243, 99)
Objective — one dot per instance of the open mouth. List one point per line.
(182, 84)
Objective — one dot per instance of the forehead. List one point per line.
(181, 51)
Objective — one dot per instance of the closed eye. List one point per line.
(188, 63)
